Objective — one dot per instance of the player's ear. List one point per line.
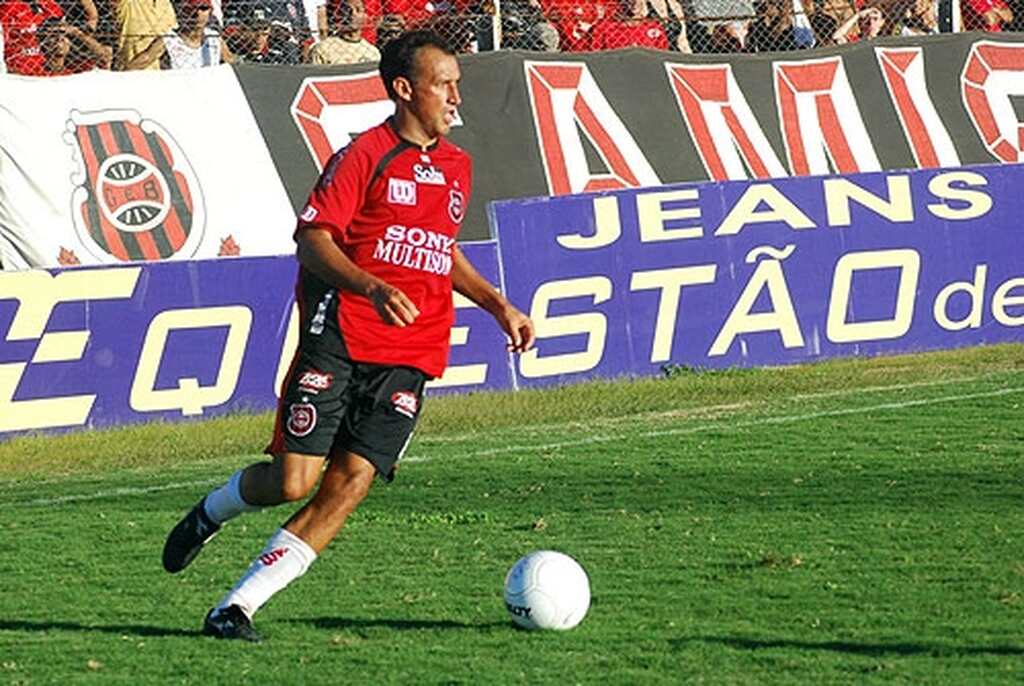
(402, 87)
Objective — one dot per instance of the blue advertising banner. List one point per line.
(704, 274)
(93, 347)
(764, 273)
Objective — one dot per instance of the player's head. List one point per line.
(398, 59)
(421, 75)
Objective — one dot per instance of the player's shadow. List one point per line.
(870, 649)
(146, 630)
(335, 623)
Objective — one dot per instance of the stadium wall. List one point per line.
(215, 164)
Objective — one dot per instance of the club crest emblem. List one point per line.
(456, 206)
(301, 419)
(136, 196)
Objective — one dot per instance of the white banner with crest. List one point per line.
(106, 168)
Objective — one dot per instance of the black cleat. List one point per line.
(188, 538)
(231, 623)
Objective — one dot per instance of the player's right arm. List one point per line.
(318, 253)
(323, 229)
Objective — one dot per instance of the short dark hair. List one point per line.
(398, 57)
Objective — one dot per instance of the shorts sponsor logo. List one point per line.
(273, 556)
(429, 174)
(308, 214)
(456, 206)
(401, 192)
(405, 402)
(313, 381)
(301, 419)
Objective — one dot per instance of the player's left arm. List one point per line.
(468, 281)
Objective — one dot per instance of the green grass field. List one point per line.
(849, 522)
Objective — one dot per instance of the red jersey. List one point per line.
(395, 210)
(642, 33)
(414, 11)
(974, 15)
(20, 20)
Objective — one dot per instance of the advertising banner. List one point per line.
(556, 124)
(104, 346)
(711, 275)
(104, 168)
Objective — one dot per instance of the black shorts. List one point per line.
(329, 403)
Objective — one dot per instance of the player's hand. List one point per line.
(393, 306)
(519, 328)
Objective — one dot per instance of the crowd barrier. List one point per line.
(700, 275)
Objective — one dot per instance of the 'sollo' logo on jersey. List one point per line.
(136, 196)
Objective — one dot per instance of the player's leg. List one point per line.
(346, 482)
(309, 416)
(376, 431)
(286, 478)
(293, 548)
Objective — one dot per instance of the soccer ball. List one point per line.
(547, 590)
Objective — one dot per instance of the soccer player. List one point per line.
(377, 264)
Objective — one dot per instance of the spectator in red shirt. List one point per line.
(417, 11)
(21, 20)
(986, 15)
(672, 16)
(624, 31)
(576, 21)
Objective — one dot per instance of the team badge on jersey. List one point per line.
(136, 196)
(456, 206)
(301, 419)
(429, 174)
(405, 403)
(401, 192)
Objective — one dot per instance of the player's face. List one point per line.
(435, 91)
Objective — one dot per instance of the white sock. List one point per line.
(285, 558)
(226, 502)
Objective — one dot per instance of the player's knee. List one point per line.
(296, 486)
(346, 495)
(360, 484)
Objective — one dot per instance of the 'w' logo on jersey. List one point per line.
(137, 197)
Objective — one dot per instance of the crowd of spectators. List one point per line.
(54, 37)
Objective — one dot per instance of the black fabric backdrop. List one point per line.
(499, 129)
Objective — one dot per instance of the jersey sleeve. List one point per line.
(339, 193)
(469, 179)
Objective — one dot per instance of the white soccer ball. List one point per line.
(547, 590)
